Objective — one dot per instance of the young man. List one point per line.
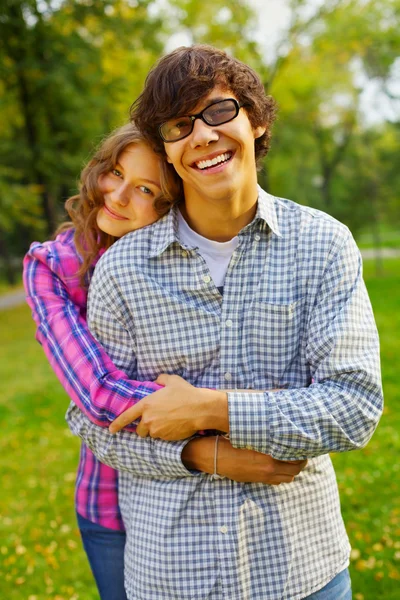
(238, 289)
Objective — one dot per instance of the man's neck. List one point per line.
(219, 220)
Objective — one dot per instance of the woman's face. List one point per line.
(129, 191)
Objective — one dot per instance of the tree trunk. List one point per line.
(326, 190)
(6, 259)
(19, 54)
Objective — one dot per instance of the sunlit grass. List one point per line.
(369, 480)
(40, 550)
(40, 555)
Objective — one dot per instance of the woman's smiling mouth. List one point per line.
(114, 215)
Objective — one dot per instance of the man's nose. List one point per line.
(203, 134)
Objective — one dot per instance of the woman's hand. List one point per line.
(177, 411)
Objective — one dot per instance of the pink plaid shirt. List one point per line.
(89, 377)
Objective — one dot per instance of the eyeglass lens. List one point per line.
(215, 114)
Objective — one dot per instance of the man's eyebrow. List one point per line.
(218, 99)
(214, 100)
(191, 112)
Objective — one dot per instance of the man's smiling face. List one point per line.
(216, 162)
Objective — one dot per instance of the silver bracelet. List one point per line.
(215, 475)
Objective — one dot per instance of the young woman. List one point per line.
(124, 187)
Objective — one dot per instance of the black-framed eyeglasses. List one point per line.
(217, 113)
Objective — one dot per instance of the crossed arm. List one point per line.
(102, 391)
(337, 413)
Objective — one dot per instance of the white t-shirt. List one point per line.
(216, 254)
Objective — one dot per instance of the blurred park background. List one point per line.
(69, 72)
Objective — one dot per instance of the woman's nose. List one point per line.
(121, 195)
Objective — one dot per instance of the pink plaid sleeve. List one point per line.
(58, 305)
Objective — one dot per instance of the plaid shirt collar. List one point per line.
(166, 232)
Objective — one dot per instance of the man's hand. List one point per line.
(241, 465)
(176, 412)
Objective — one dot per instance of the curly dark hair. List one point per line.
(182, 78)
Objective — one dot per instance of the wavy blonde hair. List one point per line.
(83, 207)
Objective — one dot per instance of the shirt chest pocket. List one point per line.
(273, 335)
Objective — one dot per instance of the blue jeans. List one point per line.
(105, 550)
(337, 589)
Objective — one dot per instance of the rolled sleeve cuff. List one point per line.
(126, 451)
(248, 420)
(169, 458)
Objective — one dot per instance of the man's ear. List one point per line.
(259, 131)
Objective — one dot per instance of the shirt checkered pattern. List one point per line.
(58, 303)
(295, 315)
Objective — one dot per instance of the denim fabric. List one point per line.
(337, 589)
(105, 550)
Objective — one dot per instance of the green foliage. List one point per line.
(70, 70)
(18, 203)
(335, 162)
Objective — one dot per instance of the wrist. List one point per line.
(198, 454)
(213, 410)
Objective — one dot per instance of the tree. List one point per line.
(69, 72)
(320, 125)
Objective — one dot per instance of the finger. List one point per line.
(142, 430)
(162, 379)
(291, 467)
(125, 418)
(292, 470)
(278, 479)
(292, 462)
(300, 465)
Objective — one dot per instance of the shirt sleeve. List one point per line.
(58, 304)
(340, 410)
(146, 457)
(126, 451)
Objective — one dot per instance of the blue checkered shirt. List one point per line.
(294, 315)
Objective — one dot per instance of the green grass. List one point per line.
(40, 551)
(369, 480)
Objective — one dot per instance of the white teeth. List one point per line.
(204, 164)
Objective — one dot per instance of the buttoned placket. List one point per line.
(231, 315)
(226, 550)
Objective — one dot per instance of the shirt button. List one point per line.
(257, 237)
(184, 253)
(223, 529)
(228, 323)
(228, 376)
(206, 278)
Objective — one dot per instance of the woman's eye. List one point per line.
(145, 189)
(116, 172)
